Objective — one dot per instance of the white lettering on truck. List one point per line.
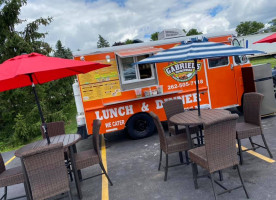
(189, 98)
(113, 112)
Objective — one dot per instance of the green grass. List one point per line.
(263, 60)
(9, 147)
(71, 124)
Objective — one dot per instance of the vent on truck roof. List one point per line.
(170, 33)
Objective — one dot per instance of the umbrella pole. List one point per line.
(39, 110)
(197, 92)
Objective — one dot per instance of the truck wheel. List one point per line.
(140, 125)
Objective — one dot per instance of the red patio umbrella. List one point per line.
(268, 39)
(34, 68)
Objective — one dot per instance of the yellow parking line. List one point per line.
(105, 193)
(6, 163)
(258, 155)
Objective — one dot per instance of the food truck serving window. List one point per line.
(142, 74)
(218, 62)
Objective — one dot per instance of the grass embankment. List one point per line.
(71, 124)
(70, 127)
(263, 60)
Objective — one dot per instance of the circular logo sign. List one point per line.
(182, 71)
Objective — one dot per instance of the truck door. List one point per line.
(221, 82)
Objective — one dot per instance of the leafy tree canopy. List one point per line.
(273, 25)
(154, 36)
(193, 31)
(13, 42)
(273, 22)
(249, 27)
(102, 42)
(62, 52)
(128, 41)
(118, 43)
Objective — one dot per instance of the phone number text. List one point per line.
(186, 84)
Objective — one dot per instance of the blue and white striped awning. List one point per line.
(198, 50)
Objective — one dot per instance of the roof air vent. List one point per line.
(170, 33)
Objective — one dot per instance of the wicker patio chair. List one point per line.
(252, 125)
(55, 129)
(46, 173)
(10, 177)
(174, 107)
(91, 157)
(219, 151)
(168, 145)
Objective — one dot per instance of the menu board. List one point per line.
(101, 83)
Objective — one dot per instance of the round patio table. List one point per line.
(69, 141)
(191, 118)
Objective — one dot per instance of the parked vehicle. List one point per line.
(112, 94)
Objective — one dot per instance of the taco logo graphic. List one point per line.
(182, 71)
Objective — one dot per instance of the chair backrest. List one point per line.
(173, 107)
(2, 164)
(54, 129)
(46, 171)
(252, 107)
(160, 130)
(220, 143)
(96, 135)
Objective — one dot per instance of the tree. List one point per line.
(27, 40)
(62, 52)
(249, 27)
(154, 36)
(273, 22)
(17, 107)
(193, 31)
(62, 91)
(118, 43)
(128, 41)
(272, 25)
(102, 42)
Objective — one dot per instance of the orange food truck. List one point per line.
(122, 95)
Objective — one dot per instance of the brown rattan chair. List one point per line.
(10, 177)
(219, 151)
(55, 129)
(252, 125)
(168, 145)
(45, 171)
(91, 157)
(174, 107)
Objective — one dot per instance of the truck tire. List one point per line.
(140, 125)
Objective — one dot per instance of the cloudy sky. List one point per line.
(77, 23)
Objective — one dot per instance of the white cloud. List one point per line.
(77, 23)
